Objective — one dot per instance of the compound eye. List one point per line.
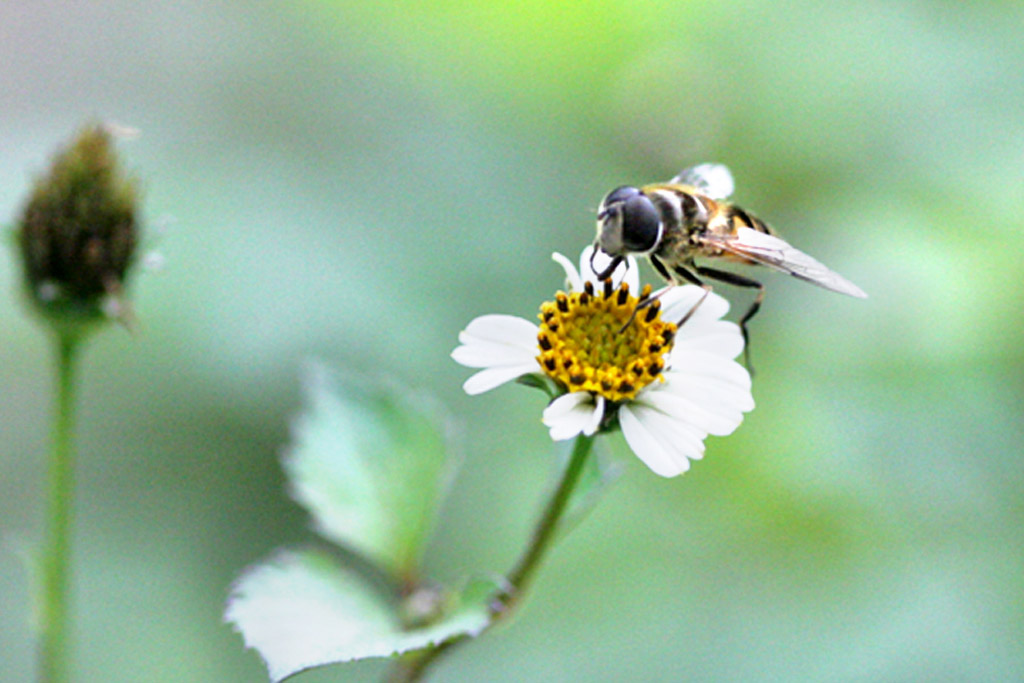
(617, 196)
(641, 224)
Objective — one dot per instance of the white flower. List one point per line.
(668, 388)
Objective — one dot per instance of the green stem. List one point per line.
(54, 611)
(411, 668)
(520, 577)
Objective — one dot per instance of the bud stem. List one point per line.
(54, 609)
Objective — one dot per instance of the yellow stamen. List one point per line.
(584, 347)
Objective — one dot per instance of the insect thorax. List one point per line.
(684, 216)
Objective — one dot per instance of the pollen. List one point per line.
(598, 341)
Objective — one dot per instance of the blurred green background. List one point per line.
(356, 181)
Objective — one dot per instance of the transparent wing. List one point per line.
(713, 180)
(776, 253)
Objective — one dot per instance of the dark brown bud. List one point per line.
(78, 231)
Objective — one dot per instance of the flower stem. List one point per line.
(53, 613)
(519, 578)
(411, 668)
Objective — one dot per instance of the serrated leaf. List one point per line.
(303, 609)
(370, 462)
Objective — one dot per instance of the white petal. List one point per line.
(673, 432)
(572, 277)
(485, 380)
(627, 271)
(675, 297)
(572, 414)
(709, 365)
(482, 354)
(595, 417)
(565, 404)
(711, 417)
(708, 391)
(678, 301)
(726, 379)
(502, 342)
(504, 329)
(676, 436)
(647, 447)
(719, 337)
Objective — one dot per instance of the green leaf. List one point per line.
(542, 382)
(303, 609)
(370, 462)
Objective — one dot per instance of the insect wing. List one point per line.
(776, 253)
(712, 180)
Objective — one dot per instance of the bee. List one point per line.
(690, 217)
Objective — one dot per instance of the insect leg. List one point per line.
(647, 301)
(739, 281)
(660, 267)
(693, 280)
(607, 272)
(690, 277)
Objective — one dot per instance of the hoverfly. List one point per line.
(687, 218)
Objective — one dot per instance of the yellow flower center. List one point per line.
(586, 345)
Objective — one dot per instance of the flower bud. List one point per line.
(78, 232)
